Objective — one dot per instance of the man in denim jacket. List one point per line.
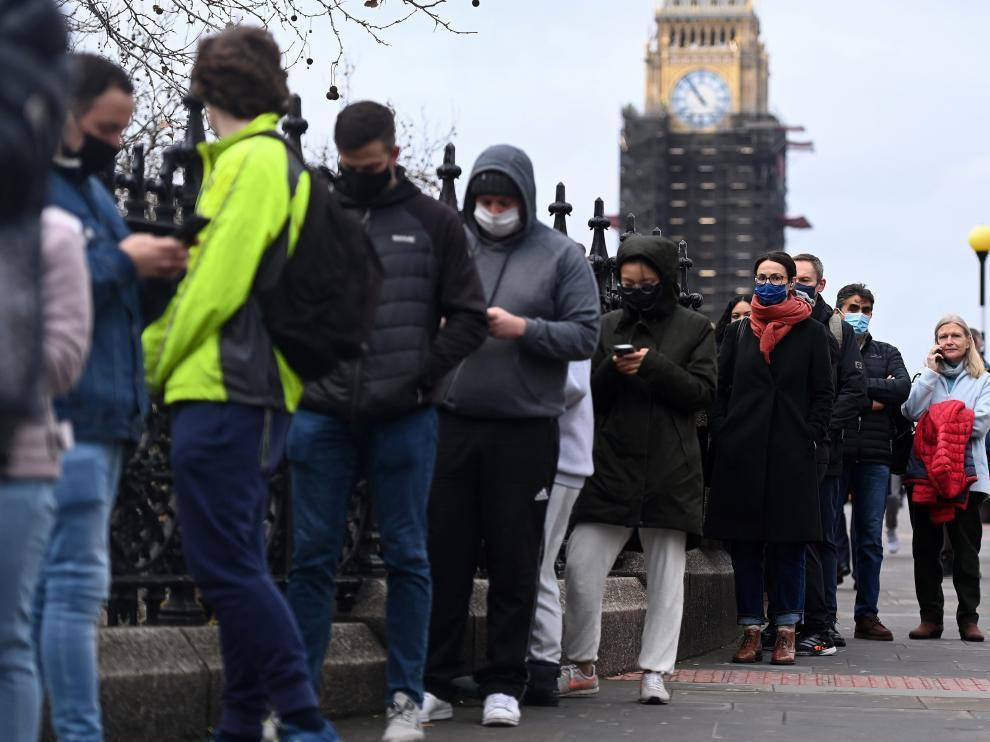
(108, 407)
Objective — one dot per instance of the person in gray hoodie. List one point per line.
(498, 440)
(28, 474)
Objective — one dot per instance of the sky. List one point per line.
(894, 94)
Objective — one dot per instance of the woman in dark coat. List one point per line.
(772, 410)
(647, 460)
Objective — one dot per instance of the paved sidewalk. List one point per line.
(878, 691)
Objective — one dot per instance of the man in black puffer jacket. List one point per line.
(375, 418)
(867, 444)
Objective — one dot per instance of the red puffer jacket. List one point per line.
(941, 467)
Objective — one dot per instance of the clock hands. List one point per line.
(695, 90)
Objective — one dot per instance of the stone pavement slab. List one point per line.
(902, 690)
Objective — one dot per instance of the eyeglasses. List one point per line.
(774, 280)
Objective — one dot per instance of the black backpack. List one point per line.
(319, 304)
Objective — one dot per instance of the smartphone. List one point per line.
(623, 350)
(190, 227)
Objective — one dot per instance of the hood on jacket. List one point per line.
(513, 162)
(661, 253)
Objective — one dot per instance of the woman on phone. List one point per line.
(653, 371)
(954, 371)
(771, 412)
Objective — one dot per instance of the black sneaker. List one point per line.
(837, 639)
(815, 644)
(768, 637)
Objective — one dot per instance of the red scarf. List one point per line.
(771, 324)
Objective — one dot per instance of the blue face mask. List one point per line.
(859, 321)
(770, 294)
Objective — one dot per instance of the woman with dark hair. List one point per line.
(772, 410)
(230, 391)
(955, 373)
(738, 308)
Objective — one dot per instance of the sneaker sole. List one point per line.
(500, 722)
(824, 653)
(442, 715)
(654, 701)
(583, 693)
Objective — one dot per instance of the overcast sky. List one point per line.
(892, 92)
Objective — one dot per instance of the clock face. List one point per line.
(701, 99)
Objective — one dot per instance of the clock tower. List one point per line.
(704, 160)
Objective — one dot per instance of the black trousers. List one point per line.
(489, 497)
(965, 534)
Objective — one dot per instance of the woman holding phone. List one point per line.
(954, 371)
(653, 371)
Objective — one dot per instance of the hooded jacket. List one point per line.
(428, 275)
(536, 273)
(647, 457)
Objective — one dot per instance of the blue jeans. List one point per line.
(75, 583)
(27, 511)
(222, 458)
(327, 457)
(868, 484)
(752, 563)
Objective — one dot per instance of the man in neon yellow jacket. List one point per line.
(230, 392)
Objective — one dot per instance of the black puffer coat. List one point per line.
(868, 439)
(647, 457)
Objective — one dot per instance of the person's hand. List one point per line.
(629, 363)
(504, 325)
(878, 406)
(934, 358)
(155, 257)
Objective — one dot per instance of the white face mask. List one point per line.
(498, 225)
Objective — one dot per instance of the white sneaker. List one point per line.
(501, 711)
(573, 683)
(404, 724)
(652, 690)
(269, 729)
(893, 543)
(435, 709)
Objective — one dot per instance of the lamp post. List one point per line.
(979, 240)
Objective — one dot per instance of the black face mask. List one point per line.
(644, 299)
(363, 187)
(95, 155)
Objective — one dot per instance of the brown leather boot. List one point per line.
(927, 630)
(970, 632)
(870, 627)
(751, 648)
(783, 652)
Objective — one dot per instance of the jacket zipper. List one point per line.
(359, 364)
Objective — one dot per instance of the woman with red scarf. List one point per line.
(772, 410)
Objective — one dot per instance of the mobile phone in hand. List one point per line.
(623, 349)
(190, 227)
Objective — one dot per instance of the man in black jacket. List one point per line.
(867, 445)
(819, 633)
(375, 418)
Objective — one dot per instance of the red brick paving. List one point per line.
(765, 677)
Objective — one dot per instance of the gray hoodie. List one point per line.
(539, 274)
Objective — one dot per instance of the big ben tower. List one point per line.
(705, 161)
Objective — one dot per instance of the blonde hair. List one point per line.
(974, 361)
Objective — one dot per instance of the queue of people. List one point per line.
(493, 413)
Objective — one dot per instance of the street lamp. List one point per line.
(979, 240)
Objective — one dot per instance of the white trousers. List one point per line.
(545, 634)
(591, 552)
